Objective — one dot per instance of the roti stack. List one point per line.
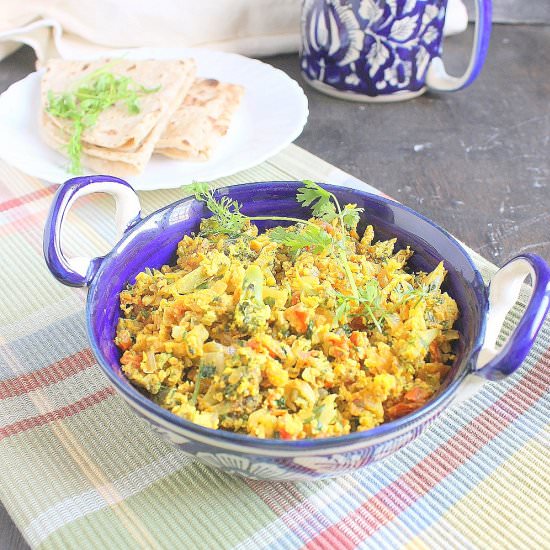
(201, 120)
(183, 118)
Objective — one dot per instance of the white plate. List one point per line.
(272, 114)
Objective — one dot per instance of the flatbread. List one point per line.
(201, 120)
(125, 161)
(116, 162)
(101, 166)
(115, 127)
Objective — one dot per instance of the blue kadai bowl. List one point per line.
(152, 241)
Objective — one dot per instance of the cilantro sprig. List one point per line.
(227, 218)
(313, 237)
(409, 292)
(318, 199)
(82, 106)
(325, 205)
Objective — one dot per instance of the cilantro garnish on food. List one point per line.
(369, 299)
(312, 237)
(95, 94)
(228, 219)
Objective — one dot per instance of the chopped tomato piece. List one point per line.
(254, 344)
(284, 434)
(434, 352)
(298, 317)
(336, 345)
(401, 409)
(124, 340)
(272, 346)
(358, 323)
(417, 394)
(131, 358)
(327, 227)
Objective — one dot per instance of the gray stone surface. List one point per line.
(16, 66)
(10, 537)
(516, 11)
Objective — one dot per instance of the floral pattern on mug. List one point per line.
(371, 46)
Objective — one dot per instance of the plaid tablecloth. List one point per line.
(79, 470)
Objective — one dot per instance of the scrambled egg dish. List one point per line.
(260, 337)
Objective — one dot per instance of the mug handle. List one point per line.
(80, 271)
(437, 78)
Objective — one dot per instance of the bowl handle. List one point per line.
(80, 271)
(496, 363)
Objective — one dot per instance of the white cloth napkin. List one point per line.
(73, 28)
(69, 28)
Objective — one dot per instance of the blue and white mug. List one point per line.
(383, 50)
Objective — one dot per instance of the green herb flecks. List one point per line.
(205, 371)
(408, 293)
(369, 299)
(251, 312)
(95, 94)
(280, 403)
